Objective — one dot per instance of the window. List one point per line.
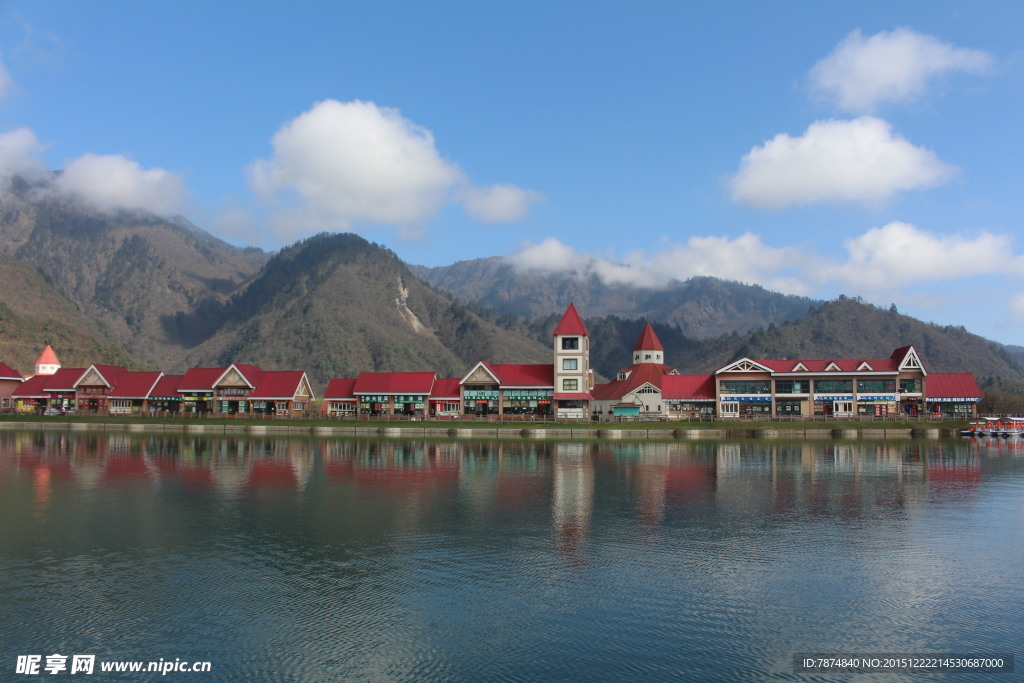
(752, 386)
(570, 343)
(833, 386)
(792, 386)
(647, 356)
(570, 385)
(569, 364)
(876, 386)
(910, 386)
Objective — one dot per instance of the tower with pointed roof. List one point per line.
(47, 363)
(573, 376)
(648, 347)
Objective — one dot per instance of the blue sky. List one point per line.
(871, 148)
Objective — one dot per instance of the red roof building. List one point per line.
(639, 389)
(842, 387)
(10, 380)
(131, 393)
(508, 388)
(164, 398)
(446, 398)
(93, 387)
(339, 399)
(573, 378)
(953, 394)
(394, 393)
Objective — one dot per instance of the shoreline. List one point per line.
(765, 430)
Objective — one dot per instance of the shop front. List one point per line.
(535, 402)
(876, 405)
(480, 401)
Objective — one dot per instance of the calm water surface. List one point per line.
(280, 559)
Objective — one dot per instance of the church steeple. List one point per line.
(648, 347)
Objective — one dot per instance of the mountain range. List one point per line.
(138, 290)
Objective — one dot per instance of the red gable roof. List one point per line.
(571, 323)
(953, 385)
(135, 384)
(445, 388)
(109, 373)
(278, 384)
(63, 380)
(200, 379)
(648, 341)
(394, 382)
(693, 387)
(167, 386)
(340, 389)
(7, 372)
(250, 373)
(822, 365)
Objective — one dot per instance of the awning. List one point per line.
(573, 397)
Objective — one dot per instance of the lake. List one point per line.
(390, 559)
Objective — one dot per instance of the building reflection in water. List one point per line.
(408, 480)
(572, 500)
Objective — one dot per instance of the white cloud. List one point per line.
(356, 161)
(499, 203)
(859, 160)
(550, 256)
(114, 182)
(900, 254)
(351, 162)
(745, 259)
(889, 66)
(20, 154)
(897, 261)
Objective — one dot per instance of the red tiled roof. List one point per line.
(47, 357)
(524, 374)
(571, 323)
(278, 384)
(340, 389)
(821, 365)
(952, 385)
(648, 341)
(394, 382)
(33, 387)
(135, 384)
(251, 373)
(200, 379)
(7, 372)
(167, 386)
(108, 373)
(63, 380)
(445, 387)
(693, 387)
(639, 374)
